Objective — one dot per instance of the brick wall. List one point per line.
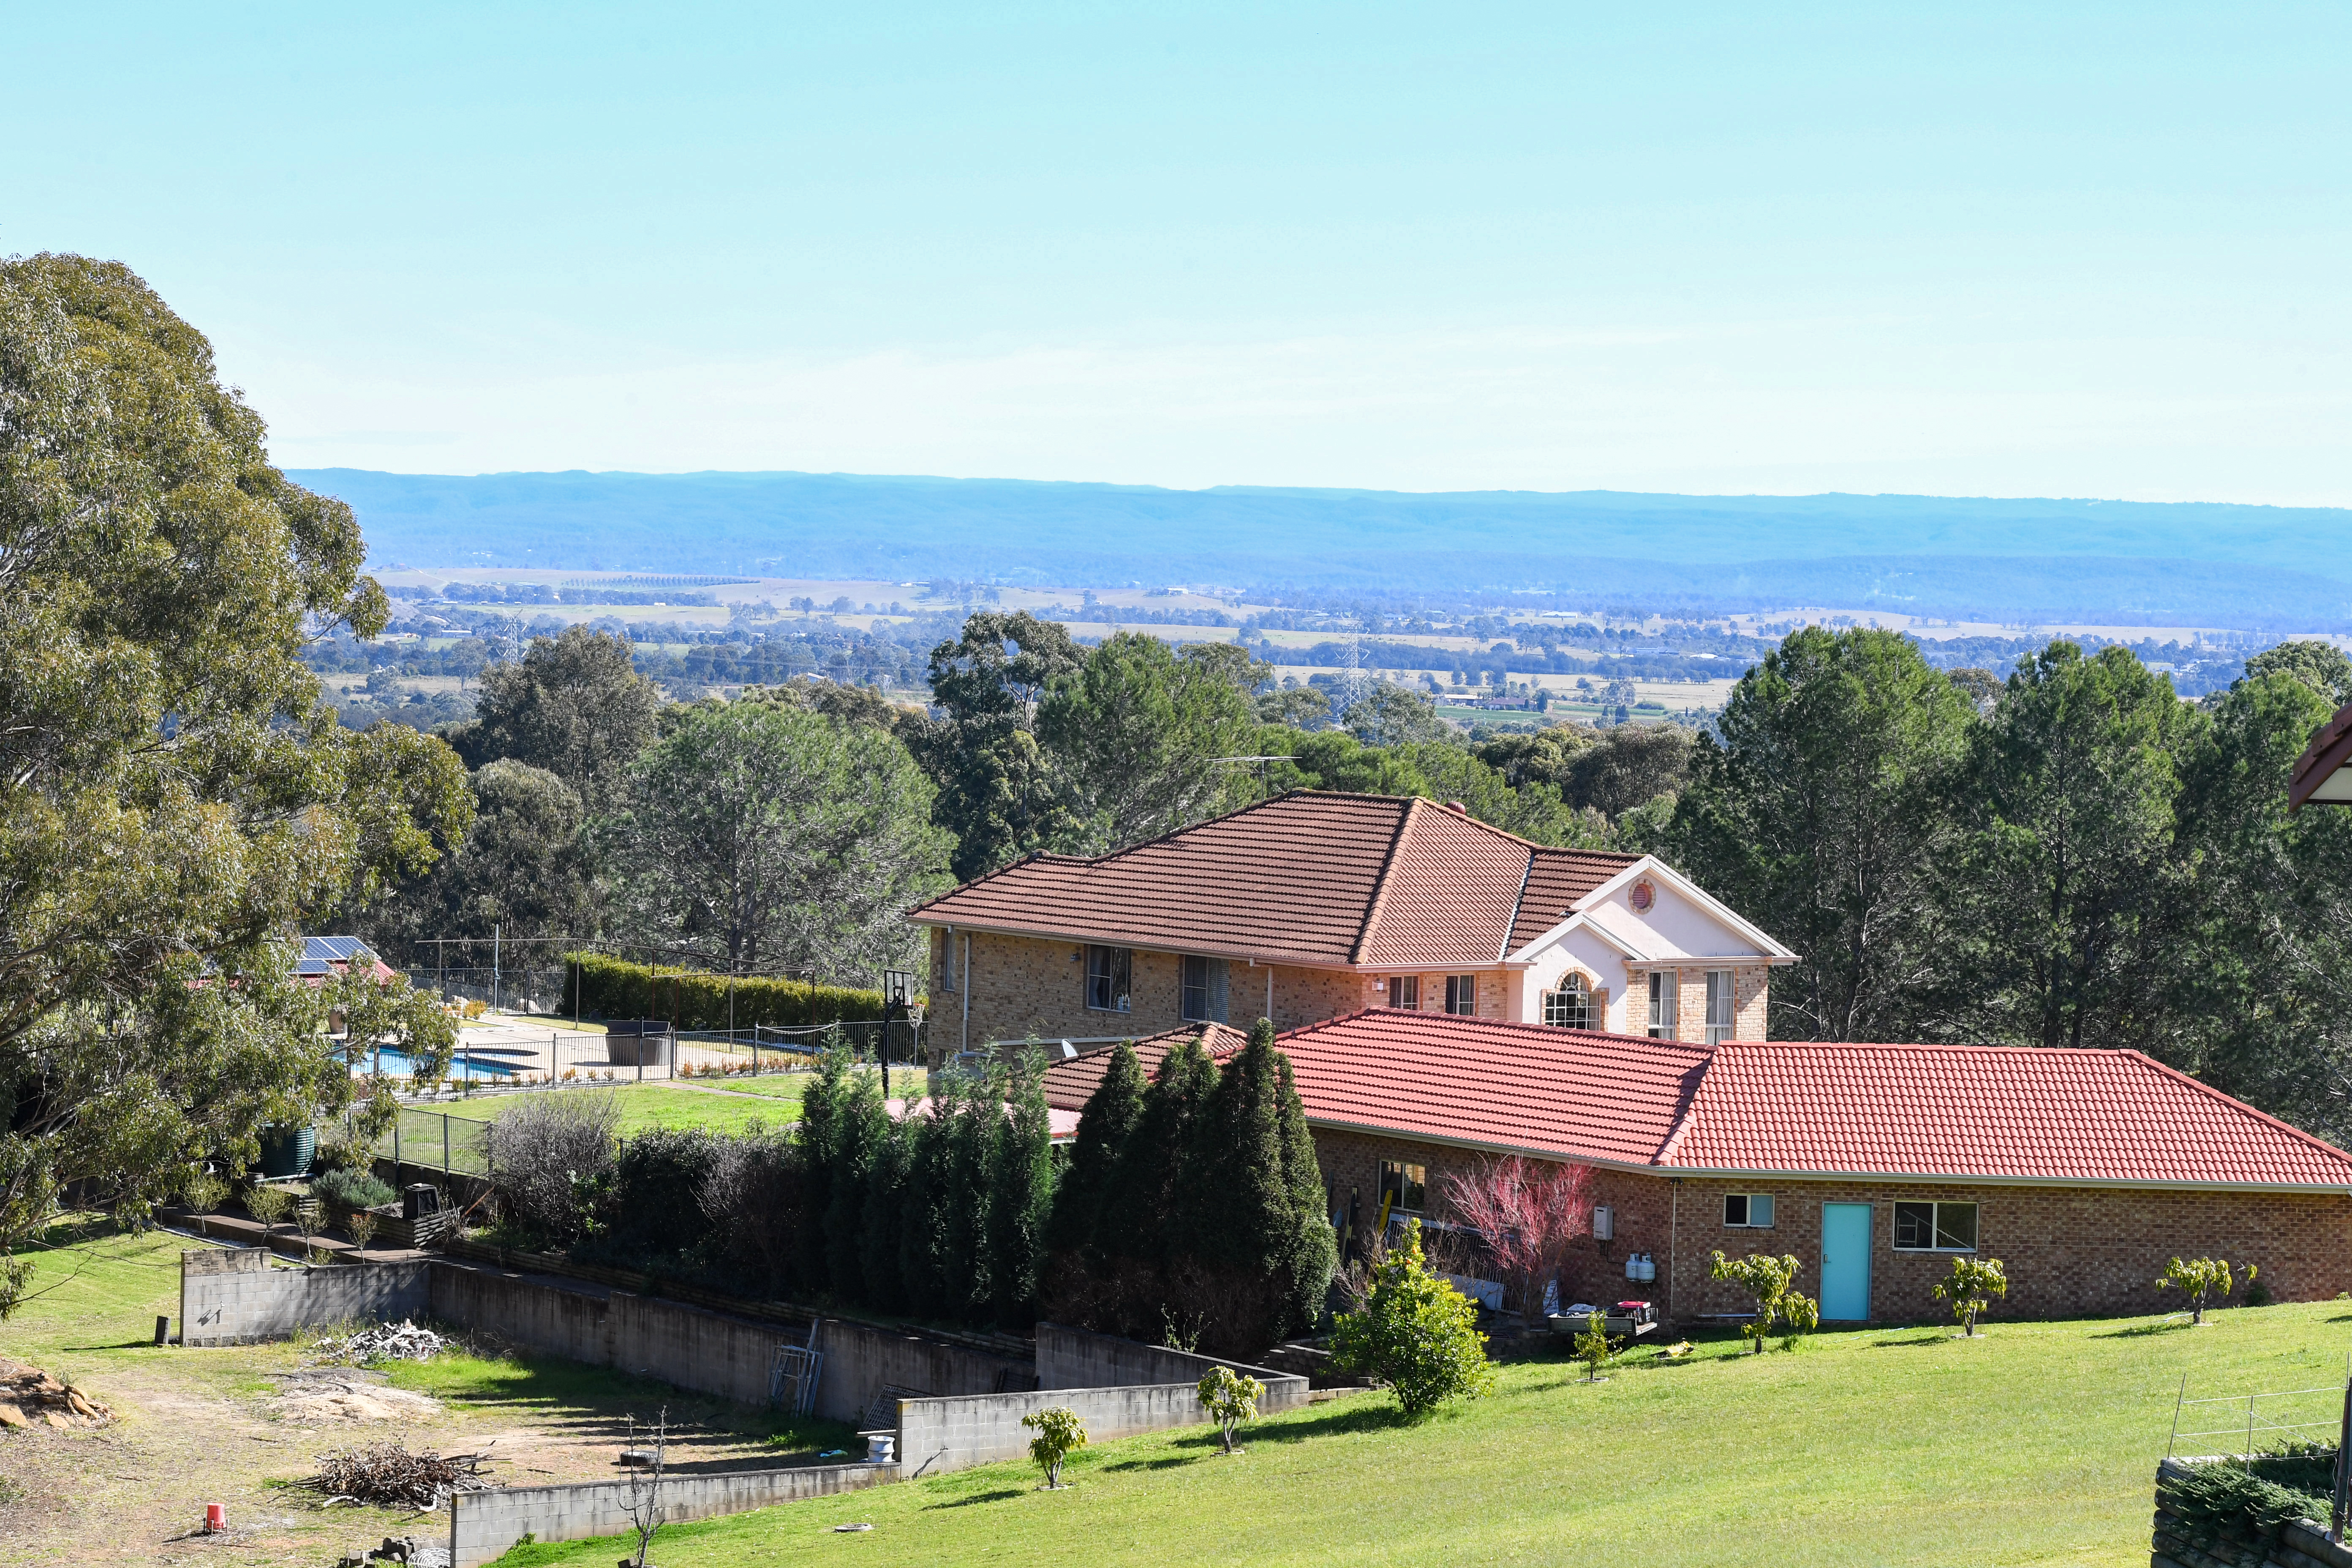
(1022, 986)
(2068, 1251)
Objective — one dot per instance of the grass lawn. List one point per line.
(2035, 1442)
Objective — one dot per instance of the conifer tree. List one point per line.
(1021, 1194)
(817, 1141)
(1140, 1208)
(1315, 1254)
(861, 1129)
(885, 1218)
(922, 1219)
(1109, 1121)
(964, 1263)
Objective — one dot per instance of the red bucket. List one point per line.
(216, 1517)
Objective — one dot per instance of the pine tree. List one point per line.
(861, 1129)
(1139, 1210)
(922, 1219)
(1021, 1194)
(1315, 1246)
(1109, 1121)
(885, 1219)
(1236, 1207)
(964, 1254)
(817, 1141)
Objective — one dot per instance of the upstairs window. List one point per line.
(1110, 975)
(1462, 995)
(1404, 991)
(1719, 1007)
(1934, 1227)
(1570, 1007)
(1663, 988)
(1404, 1186)
(1748, 1211)
(1204, 990)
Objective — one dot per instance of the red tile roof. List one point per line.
(1970, 1113)
(1072, 1081)
(1314, 878)
(1524, 1087)
(2006, 1112)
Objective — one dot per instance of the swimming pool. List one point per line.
(399, 1064)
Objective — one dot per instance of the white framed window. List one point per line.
(1570, 1007)
(1748, 1211)
(1204, 990)
(1462, 995)
(1719, 1007)
(1934, 1227)
(1111, 975)
(1404, 991)
(1663, 998)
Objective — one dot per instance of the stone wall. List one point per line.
(2175, 1544)
(232, 1296)
(484, 1525)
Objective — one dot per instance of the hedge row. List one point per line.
(695, 999)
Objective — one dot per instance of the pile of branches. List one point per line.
(388, 1474)
(403, 1341)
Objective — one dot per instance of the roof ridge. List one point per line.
(1951, 1045)
(1373, 910)
(1511, 921)
(1689, 1117)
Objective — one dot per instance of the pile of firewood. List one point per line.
(388, 1474)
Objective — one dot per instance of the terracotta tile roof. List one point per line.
(2329, 751)
(1985, 1110)
(1071, 1082)
(1309, 877)
(1524, 1087)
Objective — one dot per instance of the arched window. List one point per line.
(1570, 1007)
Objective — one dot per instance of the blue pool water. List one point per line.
(397, 1064)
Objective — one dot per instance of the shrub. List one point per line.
(2200, 1277)
(1803, 1314)
(1593, 1347)
(2211, 1498)
(269, 1204)
(1972, 1284)
(1416, 1334)
(750, 1194)
(1767, 1281)
(1230, 1399)
(1059, 1435)
(649, 1206)
(1530, 1213)
(361, 1224)
(351, 1190)
(203, 1192)
(553, 1157)
(694, 999)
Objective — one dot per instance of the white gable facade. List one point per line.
(1649, 952)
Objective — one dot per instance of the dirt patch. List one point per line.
(322, 1395)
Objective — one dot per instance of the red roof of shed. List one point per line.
(1316, 877)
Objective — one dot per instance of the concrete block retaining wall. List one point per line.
(231, 1296)
(1076, 1358)
(483, 1525)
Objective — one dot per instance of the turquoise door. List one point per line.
(1845, 1262)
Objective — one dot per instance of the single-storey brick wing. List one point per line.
(1316, 904)
(1874, 1164)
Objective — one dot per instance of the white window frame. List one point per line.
(1202, 987)
(1404, 991)
(1748, 1202)
(1665, 988)
(1936, 1226)
(1119, 963)
(1719, 1013)
(1404, 1185)
(1571, 986)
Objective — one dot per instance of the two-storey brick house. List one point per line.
(1315, 904)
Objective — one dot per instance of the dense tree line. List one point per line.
(2073, 855)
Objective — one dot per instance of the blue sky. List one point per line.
(2045, 250)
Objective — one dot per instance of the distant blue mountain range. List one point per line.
(2251, 567)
